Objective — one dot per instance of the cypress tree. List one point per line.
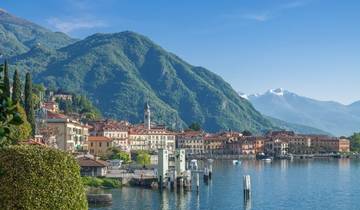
(6, 80)
(29, 106)
(16, 92)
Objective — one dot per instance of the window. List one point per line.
(100, 144)
(107, 144)
(91, 144)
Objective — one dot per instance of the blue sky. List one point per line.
(311, 47)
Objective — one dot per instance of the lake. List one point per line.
(298, 185)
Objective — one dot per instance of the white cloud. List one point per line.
(70, 25)
(291, 5)
(257, 17)
(267, 13)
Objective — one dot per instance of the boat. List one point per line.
(236, 162)
(267, 159)
(262, 156)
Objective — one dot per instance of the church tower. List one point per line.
(147, 121)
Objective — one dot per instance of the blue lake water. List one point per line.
(298, 185)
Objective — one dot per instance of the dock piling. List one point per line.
(247, 187)
(197, 182)
(206, 175)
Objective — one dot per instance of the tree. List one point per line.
(121, 155)
(246, 133)
(115, 153)
(143, 158)
(195, 126)
(8, 115)
(6, 80)
(38, 177)
(29, 106)
(16, 94)
(23, 131)
(355, 142)
(38, 92)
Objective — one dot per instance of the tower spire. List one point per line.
(147, 113)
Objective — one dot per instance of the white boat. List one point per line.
(267, 159)
(236, 162)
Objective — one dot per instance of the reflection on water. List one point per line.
(247, 204)
(298, 185)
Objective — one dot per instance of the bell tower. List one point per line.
(147, 121)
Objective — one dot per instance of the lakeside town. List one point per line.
(98, 137)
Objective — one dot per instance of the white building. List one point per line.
(151, 137)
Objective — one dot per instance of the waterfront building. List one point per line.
(118, 131)
(276, 147)
(330, 144)
(298, 144)
(217, 143)
(191, 141)
(307, 144)
(151, 137)
(343, 145)
(70, 134)
(259, 144)
(246, 145)
(99, 145)
(92, 167)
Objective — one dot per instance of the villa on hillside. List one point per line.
(70, 134)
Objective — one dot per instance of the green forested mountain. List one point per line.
(18, 35)
(121, 71)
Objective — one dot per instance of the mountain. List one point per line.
(355, 108)
(329, 116)
(18, 35)
(122, 71)
(297, 128)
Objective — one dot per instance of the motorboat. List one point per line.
(236, 162)
(262, 156)
(267, 159)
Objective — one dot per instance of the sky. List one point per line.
(310, 47)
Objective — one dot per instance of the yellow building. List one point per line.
(99, 145)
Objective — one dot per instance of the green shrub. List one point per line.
(36, 177)
(101, 182)
(92, 181)
(111, 183)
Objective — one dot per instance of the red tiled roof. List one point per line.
(110, 125)
(98, 138)
(33, 142)
(88, 162)
(52, 115)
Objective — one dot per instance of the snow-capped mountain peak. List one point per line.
(278, 91)
(243, 95)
